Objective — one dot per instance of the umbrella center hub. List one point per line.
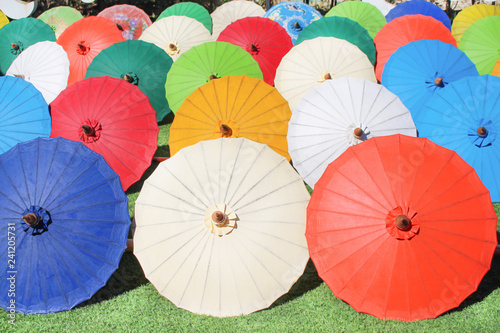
(402, 224)
(356, 134)
(482, 133)
(36, 220)
(16, 47)
(82, 48)
(295, 26)
(90, 131)
(213, 76)
(253, 49)
(220, 220)
(131, 78)
(173, 48)
(327, 75)
(436, 82)
(226, 129)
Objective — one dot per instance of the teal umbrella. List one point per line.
(140, 63)
(189, 9)
(342, 28)
(18, 35)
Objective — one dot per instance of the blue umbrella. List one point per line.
(65, 217)
(421, 68)
(294, 16)
(414, 7)
(24, 113)
(465, 117)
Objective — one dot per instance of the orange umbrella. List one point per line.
(83, 40)
(403, 30)
(232, 106)
(401, 228)
(496, 69)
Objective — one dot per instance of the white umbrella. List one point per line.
(338, 114)
(232, 11)
(44, 64)
(221, 227)
(316, 60)
(16, 9)
(176, 34)
(381, 5)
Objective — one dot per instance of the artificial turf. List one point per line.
(129, 303)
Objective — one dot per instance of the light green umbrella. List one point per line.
(189, 9)
(140, 63)
(59, 18)
(481, 43)
(367, 15)
(342, 28)
(205, 62)
(18, 35)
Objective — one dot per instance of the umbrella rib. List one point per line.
(150, 245)
(236, 162)
(186, 187)
(269, 171)
(83, 249)
(198, 210)
(250, 167)
(383, 213)
(282, 187)
(250, 252)
(59, 282)
(47, 204)
(205, 275)
(197, 244)
(260, 234)
(261, 209)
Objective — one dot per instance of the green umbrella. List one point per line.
(342, 28)
(17, 35)
(59, 18)
(140, 63)
(481, 43)
(367, 15)
(189, 9)
(205, 62)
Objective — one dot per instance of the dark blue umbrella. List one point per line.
(465, 117)
(65, 217)
(294, 16)
(414, 7)
(24, 113)
(419, 69)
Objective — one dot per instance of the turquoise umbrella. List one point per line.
(141, 63)
(18, 35)
(343, 28)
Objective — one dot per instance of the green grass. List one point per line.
(129, 303)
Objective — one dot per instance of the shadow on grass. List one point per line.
(489, 283)
(308, 281)
(128, 276)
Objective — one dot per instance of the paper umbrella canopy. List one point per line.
(220, 227)
(66, 210)
(401, 228)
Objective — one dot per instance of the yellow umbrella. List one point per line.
(232, 106)
(469, 15)
(3, 19)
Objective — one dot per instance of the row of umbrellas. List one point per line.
(239, 197)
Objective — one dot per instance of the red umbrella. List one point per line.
(83, 40)
(112, 117)
(401, 228)
(404, 30)
(266, 40)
